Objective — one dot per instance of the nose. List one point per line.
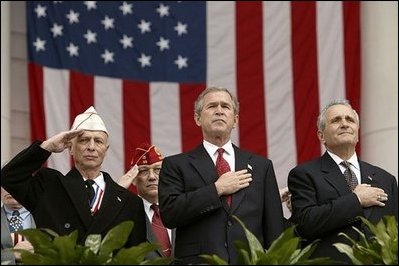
(152, 174)
(91, 144)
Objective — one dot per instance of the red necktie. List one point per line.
(160, 231)
(222, 166)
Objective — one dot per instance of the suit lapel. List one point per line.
(113, 200)
(74, 185)
(242, 162)
(151, 236)
(203, 163)
(333, 174)
(368, 176)
(6, 240)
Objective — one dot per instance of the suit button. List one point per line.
(225, 244)
(67, 225)
(229, 223)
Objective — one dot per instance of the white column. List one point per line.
(379, 114)
(5, 82)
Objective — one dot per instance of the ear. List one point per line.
(320, 135)
(197, 119)
(235, 121)
(69, 145)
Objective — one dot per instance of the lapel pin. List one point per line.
(119, 199)
(249, 166)
(369, 177)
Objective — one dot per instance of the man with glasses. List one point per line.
(144, 176)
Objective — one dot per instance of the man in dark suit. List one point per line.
(65, 203)
(11, 223)
(143, 176)
(327, 196)
(199, 194)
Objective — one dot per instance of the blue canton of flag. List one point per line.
(146, 41)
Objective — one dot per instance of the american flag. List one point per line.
(142, 65)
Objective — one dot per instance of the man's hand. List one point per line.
(61, 141)
(370, 196)
(231, 182)
(128, 178)
(22, 245)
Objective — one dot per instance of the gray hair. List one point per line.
(199, 103)
(322, 120)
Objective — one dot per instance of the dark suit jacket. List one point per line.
(203, 221)
(59, 202)
(323, 205)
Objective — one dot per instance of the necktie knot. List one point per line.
(15, 213)
(220, 151)
(155, 208)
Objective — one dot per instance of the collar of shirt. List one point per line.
(354, 164)
(228, 155)
(147, 208)
(99, 181)
(23, 213)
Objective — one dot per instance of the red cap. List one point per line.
(146, 154)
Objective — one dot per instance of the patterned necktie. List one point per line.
(349, 175)
(160, 231)
(222, 166)
(90, 190)
(15, 222)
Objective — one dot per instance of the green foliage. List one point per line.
(283, 251)
(382, 248)
(52, 249)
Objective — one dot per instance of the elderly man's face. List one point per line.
(8, 200)
(89, 149)
(147, 181)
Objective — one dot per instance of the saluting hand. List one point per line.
(61, 141)
(127, 179)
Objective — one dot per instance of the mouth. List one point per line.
(342, 133)
(88, 157)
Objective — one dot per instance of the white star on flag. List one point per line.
(73, 50)
(181, 28)
(126, 41)
(163, 10)
(39, 44)
(91, 37)
(181, 62)
(73, 17)
(126, 8)
(145, 60)
(144, 26)
(107, 56)
(57, 30)
(40, 11)
(163, 44)
(108, 23)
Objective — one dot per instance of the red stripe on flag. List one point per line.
(352, 56)
(36, 101)
(190, 132)
(81, 90)
(305, 78)
(136, 117)
(250, 82)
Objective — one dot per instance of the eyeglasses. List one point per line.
(146, 171)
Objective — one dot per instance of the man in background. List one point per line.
(144, 176)
(14, 217)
